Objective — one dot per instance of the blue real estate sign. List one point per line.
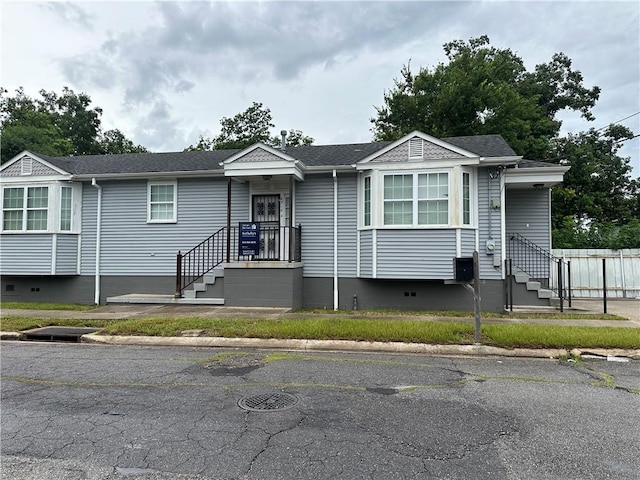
(249, 238)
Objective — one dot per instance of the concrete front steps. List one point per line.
(534, 286)
(207, 291)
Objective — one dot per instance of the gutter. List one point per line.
(96, 297)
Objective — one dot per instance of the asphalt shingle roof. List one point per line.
(311, 156)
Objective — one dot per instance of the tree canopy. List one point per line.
(598, 202)
(249, 127)
(485, 90)
(56, 125)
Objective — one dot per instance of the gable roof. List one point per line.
(210, 161)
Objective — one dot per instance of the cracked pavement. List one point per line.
(130, 412)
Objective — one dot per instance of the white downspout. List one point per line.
(335, 240)
(96, 298)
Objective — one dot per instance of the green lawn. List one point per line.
(45, 306)
(358, 329)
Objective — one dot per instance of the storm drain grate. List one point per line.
(268, 402)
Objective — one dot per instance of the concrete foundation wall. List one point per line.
(400, 294)
(264, 287)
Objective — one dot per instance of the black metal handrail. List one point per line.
(537, 263)
(277, 243)
(200, 260)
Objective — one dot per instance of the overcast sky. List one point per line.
(166, 73)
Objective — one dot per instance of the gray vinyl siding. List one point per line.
(487, 216)
(130, 245)
(347, 225)
(527, 213)
(67, 254)
(88, 229)
(467, 242)
(25, 254)
(416, 254)
(366, 254)
(314, 211)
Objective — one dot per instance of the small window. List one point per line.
(37, 208)
(367, 201)
(66, 195)
(13, 209)
(162, 202)
(466, 199)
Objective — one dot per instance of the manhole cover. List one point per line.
(268, 402)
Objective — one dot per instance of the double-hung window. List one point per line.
(416, 199)
(367, 201)
(25, 208)
(162, 204)
(433, 199)
(466, 198)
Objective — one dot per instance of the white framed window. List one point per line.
(52, 207)
(398, 199)
(25, 209)
(433, 199)
(162, 202)
(366, 219)
(416, 199)
(466, 198)
(66, 208)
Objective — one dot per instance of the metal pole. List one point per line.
(511, 285)
(604, 283)
(476, 299)
(229, 220)
(569, 280)
(560, 292)
(179, 275)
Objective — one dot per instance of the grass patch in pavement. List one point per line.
(45, 306)
(387, 330)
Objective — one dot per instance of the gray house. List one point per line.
(372, 225)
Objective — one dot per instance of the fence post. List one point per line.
(511, 285)
(604, 283)
(569, 281)
(560, 292)
(178, 275)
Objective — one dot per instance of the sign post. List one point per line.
(249, 238)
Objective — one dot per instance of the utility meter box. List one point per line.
(464, 269)
(490, 247)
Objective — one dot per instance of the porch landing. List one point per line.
(148, 298)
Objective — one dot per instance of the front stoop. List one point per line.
(207, 281)
(534, 286)
(148, 298)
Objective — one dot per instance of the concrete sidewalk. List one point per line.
(626, 308)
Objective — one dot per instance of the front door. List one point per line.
(266, 210)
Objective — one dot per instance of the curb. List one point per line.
(345, 345)
(326, 345)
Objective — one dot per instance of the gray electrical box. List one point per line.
(490, 247)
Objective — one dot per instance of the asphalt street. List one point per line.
(77, 411)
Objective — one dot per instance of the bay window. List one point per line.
(43, 208)
(416, 199)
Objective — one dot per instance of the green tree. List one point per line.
(597, 205)
(114, 141)
(56, 125)
(247, 128)
(485, 90)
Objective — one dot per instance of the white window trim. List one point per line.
(455, 202)
(153, 183)
(54, 196)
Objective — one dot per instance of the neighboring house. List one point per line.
(372, 225)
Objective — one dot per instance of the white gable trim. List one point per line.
(27, 153)
(281, 164)
(423, 136)
(262, 146)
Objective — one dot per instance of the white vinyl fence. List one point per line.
(622, 272)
